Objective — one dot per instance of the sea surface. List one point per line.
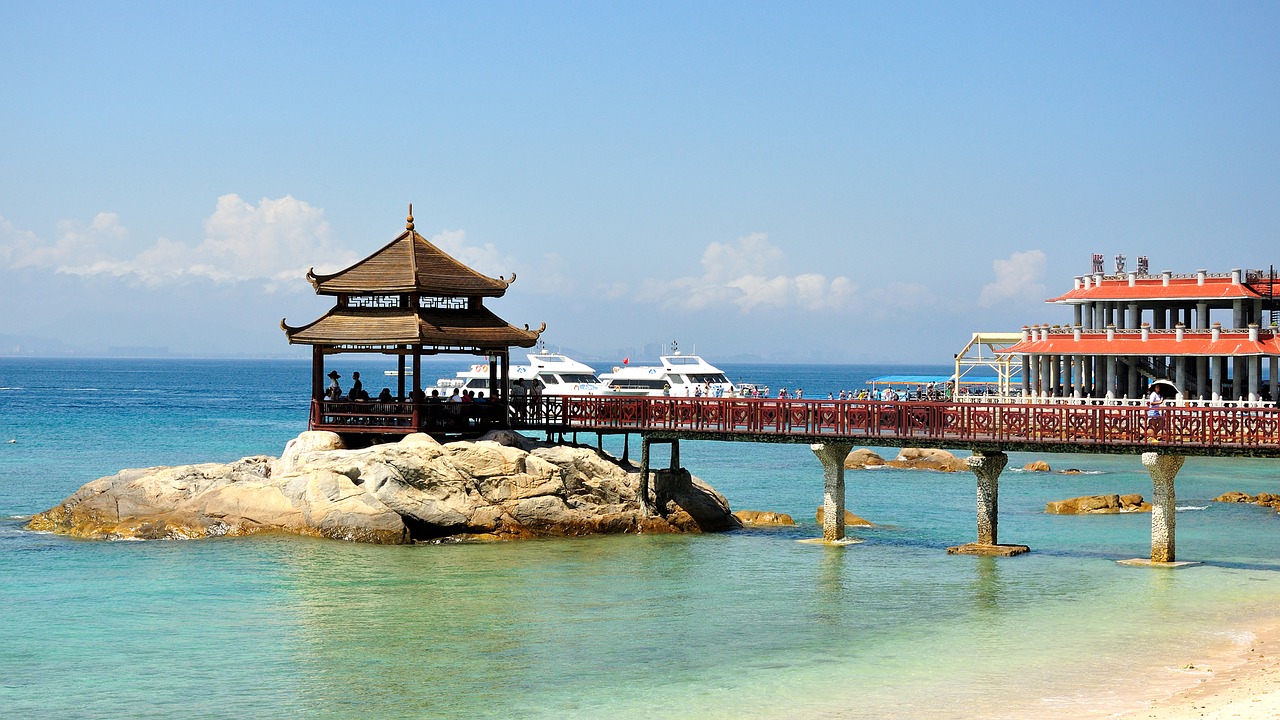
(750, 624)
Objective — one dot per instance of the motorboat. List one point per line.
(558, 375)
(677, 375)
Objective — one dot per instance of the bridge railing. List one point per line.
(935, 421)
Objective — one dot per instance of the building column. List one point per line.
(1163, 470)
(1180, 377)
(1202, 316)
(646, 505)
(1202, 376)
(1026, 376)
(832, 456)
(1274, 382)
(1110, 377)
(1078, 377)
(1135, 316)
(1131, 382)
(1078, 313)
(1255, 378)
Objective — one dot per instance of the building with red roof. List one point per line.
(1209, 338)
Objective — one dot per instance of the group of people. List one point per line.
(357, 392)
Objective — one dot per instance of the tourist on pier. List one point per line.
(385, 396)
(1155, 418)
(334, 390)
(357, 387)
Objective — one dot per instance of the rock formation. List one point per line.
(1037, 466)
(764, 517)
(850, 519)
(1098, 504)
(1263, 498)
(907, 459)
(502, 486)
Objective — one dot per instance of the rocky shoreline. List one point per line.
(502, 486)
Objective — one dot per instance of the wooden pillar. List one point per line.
(832, 456)
(417, 369)
(317, 372)
(675, 455)
(400, 369)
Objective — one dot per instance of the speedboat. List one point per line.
(558, 374)
(678, 376)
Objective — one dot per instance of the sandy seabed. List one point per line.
(1244, 685)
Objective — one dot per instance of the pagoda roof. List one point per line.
(413, 264)
(1159, 342)
(474, 328)
(1153, 288)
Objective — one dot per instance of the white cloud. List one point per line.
(484, 258)
(1017, 279)
(273, 242)
(737, 273)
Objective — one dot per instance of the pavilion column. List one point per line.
(1163, 469)
(987, 467)
(317, 372)
(1202, 315)
(1202, 376)
(1131, 383)
(1180, 376)
(1067, 388)
(832, 456)
(1219, 367)
(1078, 312)
(1135, 316)
(1110, 377)
(417, 370)
(1026, 376)
(400, 373)
(1077, 388)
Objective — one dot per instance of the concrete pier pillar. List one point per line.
(1163, 469)
(987, 467)
(645, 502)
(832, 456)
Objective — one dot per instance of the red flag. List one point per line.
(626, 360)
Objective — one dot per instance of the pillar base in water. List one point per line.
(988, 550)
(838, 543)
(1148, 562)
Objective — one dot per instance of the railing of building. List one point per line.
(1081, 427)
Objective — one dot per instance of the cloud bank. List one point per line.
(273, 242)
(1017, 280)
(738, 274)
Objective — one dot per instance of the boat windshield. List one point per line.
(637, 383)
(684, 360)
(715, 378)
(578, 378)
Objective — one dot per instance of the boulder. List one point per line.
(764, 517)
(1037, 466)
(1235, 496)
(502, 486)
(928, 459)
(1098, 504)
(850, 519)
(861, 459)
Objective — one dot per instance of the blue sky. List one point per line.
(832, 181)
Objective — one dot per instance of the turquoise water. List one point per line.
(747, 624)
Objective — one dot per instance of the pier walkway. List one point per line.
(832, 428)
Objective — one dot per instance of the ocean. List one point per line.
(743, 624)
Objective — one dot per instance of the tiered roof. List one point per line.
(433, 300)
(1131, 343)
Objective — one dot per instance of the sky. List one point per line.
(824, 182)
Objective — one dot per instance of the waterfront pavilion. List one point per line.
(1211, 339)
(409, 299)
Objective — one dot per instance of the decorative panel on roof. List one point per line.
(1214, 288)
(1130, 343)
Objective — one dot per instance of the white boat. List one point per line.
(677, 376)
(559, 375)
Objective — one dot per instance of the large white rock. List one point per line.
(504, 485)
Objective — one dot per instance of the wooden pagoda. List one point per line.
(409, 299)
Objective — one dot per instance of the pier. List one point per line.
(1144, 369)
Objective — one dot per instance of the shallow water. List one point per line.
(750, 623)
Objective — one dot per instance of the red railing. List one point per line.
(967, 422)
(1088, 425)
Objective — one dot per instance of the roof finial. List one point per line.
(408, 223)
